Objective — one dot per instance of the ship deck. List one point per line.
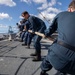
(15, 59)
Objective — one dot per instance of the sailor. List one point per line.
(26, 27)
(36, 24)
(61, 54)
(22, 26)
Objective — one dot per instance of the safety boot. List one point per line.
(21, 40)
(28, 47)
(43, 73)
(24, 44)
(33, 54)
(37, 58)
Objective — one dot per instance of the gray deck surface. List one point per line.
(16, 60)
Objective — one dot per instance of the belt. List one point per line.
(66, 45)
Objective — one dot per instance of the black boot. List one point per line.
(21, 40)
(33, 54)
(24, 44)
(28, 47)
(43, 73)
(37, 58)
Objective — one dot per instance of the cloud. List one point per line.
(47, 8)
(59, 3)
(26, 1)
(40, 1)
(35, 1)
(53, 10)
(9, 3)
(47, 4)
(44, 6)
(52, 3)
(48, 17)
(5, 16)
(49, 13)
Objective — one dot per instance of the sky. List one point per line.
(10, 11)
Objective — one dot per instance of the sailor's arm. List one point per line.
(52, 28)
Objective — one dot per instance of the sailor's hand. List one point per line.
(24, 30)
(44, 36)
(33, 32)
